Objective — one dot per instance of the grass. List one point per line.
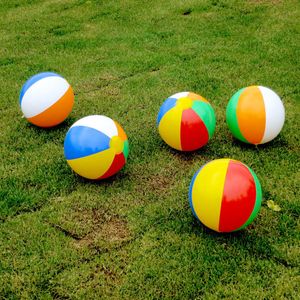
(134, 236)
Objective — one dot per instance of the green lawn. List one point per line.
(134, 236)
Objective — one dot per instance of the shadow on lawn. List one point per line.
(187, 156)
(277, 143)
(26, 136)
(228, 148)
(247, 240)
(253, 241)
(106, 182)
(66, 124)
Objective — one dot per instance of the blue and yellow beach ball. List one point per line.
(186, 121)
(46, 99)
(96, 147)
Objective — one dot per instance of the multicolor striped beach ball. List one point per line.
(96, 147)
(186, 121)
(255, 115)
(225, 195)
(46, 99)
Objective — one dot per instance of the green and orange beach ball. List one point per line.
(225, 195)
(255, 115)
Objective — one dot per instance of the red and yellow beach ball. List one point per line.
(46, 99)
(225, 195)
(255, 115)
(186, 121)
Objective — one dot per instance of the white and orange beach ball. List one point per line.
(255, 115)
(46, 99)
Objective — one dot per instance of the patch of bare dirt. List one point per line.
(102, 229)
(108, 231)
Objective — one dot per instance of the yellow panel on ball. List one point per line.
(171, 119)
(85, 166)
(210, 192)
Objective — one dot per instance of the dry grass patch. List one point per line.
(109, 231)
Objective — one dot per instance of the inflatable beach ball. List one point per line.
(46, 99)
(255, 115)
(186, 121)
(96, 147)
(225, 195)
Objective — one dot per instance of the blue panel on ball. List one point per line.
(190, 191)
(166, 106)
(82, 141)
(33, 80)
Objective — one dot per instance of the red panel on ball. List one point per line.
(193, 132)
(238, 197)
(117, 165)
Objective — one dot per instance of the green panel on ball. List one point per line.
(231, 117)
(257, 200)
(206, 113)
(126, 149)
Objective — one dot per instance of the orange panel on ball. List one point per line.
(251, 114)
(194, 96)
(56, 113)
(121, 132)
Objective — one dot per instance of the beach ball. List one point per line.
(255, 115)
(186, 121)
(96, 147)
(46, 99)
(225, 195)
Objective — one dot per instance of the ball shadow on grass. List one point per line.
(106, 182)
(248, 240)
(60, 127)
(275, 144)
(24, 135)
(188, 156)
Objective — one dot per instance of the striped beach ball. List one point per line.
(225, 195)
(186, 121)
(96, 147)
(255, 115)
(46, 99)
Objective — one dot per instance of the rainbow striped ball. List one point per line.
(96, 147)
(186, 121)
(225, 195)
(255, 115)
(46, 99)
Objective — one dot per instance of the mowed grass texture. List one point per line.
(134, 236)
